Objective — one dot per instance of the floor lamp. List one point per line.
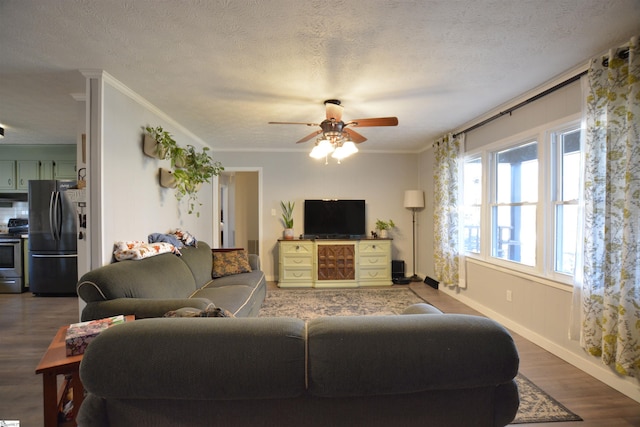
(414, 200)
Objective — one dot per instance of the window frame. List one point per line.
(552, 192)
(494, 203)
(480, 206)
(544, 134)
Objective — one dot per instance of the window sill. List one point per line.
(534, 278)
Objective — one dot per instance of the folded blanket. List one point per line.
(167, 238)
(137, 249)
(185, 237)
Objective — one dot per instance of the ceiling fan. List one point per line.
(335, 130)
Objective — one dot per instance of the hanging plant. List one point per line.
(198, 168)
(165, 146)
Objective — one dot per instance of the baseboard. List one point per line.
(593, 368)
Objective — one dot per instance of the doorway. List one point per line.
(238, 209)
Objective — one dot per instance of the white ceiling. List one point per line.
(225, 68)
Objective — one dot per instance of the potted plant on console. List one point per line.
(287, 219)
(383, 227)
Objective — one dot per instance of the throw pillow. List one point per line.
(228, 262)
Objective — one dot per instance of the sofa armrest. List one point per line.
(140, 307)
(421, 308)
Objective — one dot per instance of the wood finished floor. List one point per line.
(28, 323)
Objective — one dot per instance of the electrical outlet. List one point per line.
(509, 295)
(273, 212)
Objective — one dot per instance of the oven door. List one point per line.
(10, 258)
(11, 280)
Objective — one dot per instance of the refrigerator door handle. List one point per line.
(52, 229)
(58, 215)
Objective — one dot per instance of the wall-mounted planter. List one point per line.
(152, 149)
(167, 180)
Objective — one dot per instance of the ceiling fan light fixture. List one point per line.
(333, 137)
(344, 150)
(323, 148)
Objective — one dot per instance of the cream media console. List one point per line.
(334, 263)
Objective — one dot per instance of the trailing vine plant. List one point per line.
(191, 167)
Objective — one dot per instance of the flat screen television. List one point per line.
(338, 219)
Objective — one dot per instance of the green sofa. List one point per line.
(421, 368)
(154, 286)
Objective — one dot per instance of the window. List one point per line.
(472, 203)
(566, 191)
(521, 201)
(514, 204)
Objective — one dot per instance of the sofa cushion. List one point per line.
(232, 298)
(198, 259)
(229, 262)
(429, 351)
(197, 358)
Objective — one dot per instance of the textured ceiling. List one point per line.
(224, 68)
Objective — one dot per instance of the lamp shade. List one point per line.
(321, 149)
(414, 199)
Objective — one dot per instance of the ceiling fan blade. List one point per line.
(293, 123)
(308, 137)
(334, 111)
(378, 121)
(355, 136)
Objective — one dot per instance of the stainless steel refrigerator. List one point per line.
(53, 254)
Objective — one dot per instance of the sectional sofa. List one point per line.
(154, 286)
(422, 368)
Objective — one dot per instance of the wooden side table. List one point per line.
(56, 362)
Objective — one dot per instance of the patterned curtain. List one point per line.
(611, 258)
(449, 264)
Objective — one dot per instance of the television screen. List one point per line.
(334, 218)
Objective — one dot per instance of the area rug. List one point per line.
(536, 406)
(311, 303)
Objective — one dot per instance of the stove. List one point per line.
(12, 268)
(18, 226)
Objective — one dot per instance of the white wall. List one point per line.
(133, 204)
(539, 309)
(380, 179)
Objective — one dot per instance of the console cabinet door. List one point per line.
(337, 262)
